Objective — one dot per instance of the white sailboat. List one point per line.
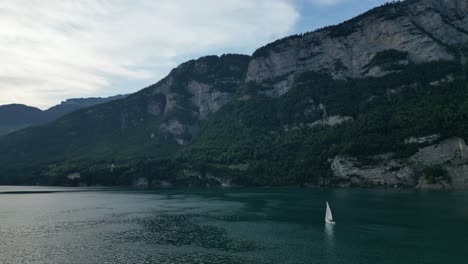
(329, 216)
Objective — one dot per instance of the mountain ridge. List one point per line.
(364, 103)
(350, 53)
(13, 117)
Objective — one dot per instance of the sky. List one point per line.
(52, 50)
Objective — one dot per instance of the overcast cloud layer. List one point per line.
(57, 49)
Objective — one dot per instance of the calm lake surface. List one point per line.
(59, 225)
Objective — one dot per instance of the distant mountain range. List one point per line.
(14, 117)
(379, 100)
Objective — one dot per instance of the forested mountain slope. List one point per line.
(14, 117)
(381, 99)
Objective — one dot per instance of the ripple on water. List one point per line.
(211, 227)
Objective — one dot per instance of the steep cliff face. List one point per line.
(194, 90)
(440, 166)
(373, 44)
(348, 171)
(380, 100)
(153, 121)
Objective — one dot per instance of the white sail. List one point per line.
(329, 216)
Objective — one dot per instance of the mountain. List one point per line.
(14, 117)
(379, 100)
(74, 104)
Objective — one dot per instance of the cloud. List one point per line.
(55, 49)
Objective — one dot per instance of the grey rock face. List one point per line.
(451, 154)
(387, 173)
(207, 100)
(173, 127)
(193, 91)
(333, 121)
(328, 121)
(423, 29)
(452, 151)
(422, 140)
(459, 176)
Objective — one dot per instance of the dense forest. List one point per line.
(259, 141)
(207, 124)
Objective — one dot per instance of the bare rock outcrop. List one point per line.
(206, 99)
(348, 171)
(421, 31)
(192, 91)
(451, 152)
(450, 155)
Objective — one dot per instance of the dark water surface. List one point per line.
(56, 225)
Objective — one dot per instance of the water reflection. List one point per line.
(329, 235)
(330, 243)
(232, 227)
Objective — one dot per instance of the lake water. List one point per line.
(59, 225)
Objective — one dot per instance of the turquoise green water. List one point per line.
(232, 226)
